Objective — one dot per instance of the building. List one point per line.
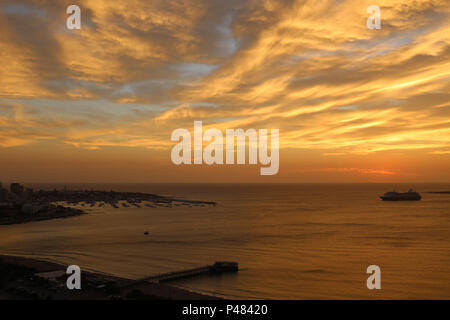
(28, 194)
(17, 189)
(3, 194)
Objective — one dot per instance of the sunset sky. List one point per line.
(99, 104)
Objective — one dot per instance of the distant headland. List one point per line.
(20, 204)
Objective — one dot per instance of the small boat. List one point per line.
(411, 195)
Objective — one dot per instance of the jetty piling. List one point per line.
(218, 267)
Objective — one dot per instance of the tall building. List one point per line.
(3, 194)
(16, 188)
(28, 195)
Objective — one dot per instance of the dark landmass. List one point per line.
(30, 279)
(15, 214)
(20, 206)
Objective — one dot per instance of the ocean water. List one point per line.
(292, 241)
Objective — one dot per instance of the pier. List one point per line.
(218, 267)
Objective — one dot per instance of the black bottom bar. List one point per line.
(232, 309)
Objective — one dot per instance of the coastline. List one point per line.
(19, 218)
(33, 279)
(42, 205)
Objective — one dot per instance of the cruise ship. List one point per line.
(411, 195)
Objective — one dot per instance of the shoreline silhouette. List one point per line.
(21, 206)
(26, 278)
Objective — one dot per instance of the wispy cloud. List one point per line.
(139, 69)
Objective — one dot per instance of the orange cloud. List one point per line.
(137, 70)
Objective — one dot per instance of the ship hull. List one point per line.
(400, 198)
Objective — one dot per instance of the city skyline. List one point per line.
(99, 104)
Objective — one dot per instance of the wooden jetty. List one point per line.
(218, 267)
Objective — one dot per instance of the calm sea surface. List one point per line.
(301, 241)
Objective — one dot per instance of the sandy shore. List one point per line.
(25, 278)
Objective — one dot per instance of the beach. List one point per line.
(31, 279)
